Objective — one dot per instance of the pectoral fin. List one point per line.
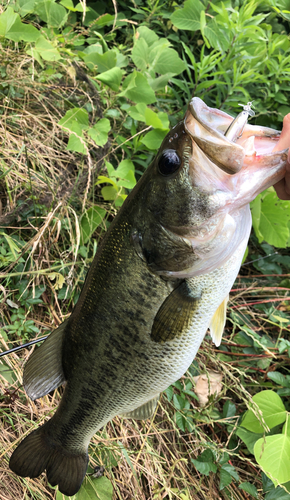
(218, 322)
(175, 314)
(144, 411)
(43, 371)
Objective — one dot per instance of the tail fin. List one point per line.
(38, 452)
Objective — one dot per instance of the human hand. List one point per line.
(283, 187)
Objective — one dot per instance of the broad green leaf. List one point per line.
(98, 489)
(277, 494)
(216, 37)
(225, 479)
(272, 409)
(89, 222)
(273, 454)
(180, 420)
(7, 372)
(248, 437)
(109, 193)
(138, 112)
(46, 50)
(124, 167)
(160, 82)
(278, 378)
(229, 409)
(188, 17)
(231, 470)
(137, 89)
(75, 115)
(7, 19)
(99, 132)
(76, 143)
(249, 488)
(154, 138)
(112, 78)
(51, 13)
(140, 54)
(22, 32)
(149, 36)
(167, 59)
(24, 7)
(68, 4)
(102, 61)
(274, 220)
(205, 467)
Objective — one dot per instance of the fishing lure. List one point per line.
(236, 128)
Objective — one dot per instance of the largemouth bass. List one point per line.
(160, 278)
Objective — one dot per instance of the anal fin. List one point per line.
(144, 411)
(218, 322)
(43, 371)
(175, 314)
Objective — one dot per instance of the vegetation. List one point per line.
(88, 92)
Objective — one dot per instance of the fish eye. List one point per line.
(168, 162)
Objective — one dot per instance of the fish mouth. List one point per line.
(207, 127)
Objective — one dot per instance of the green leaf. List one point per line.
(273, 455)
(225, 479)
(112, 78)
(166, 59)
(109, 193)
(229, 409)
(180, 420)
(99, 132)
(51, 13)
(68, 4)
(277, 494)
(76, 143)
(125, 172)
(140, 54)
(204, 462)
(99, 489)
(216, 37)
(249, 488)
(249, 438)
(154, 138)
(104, 62)
(7, 19)
(231, 470)
(149, 36)
(73, 116)
(46, 50)
(204, 467)
(272, 409)
(89, 222)
(274, 220)
(137, 89)
(24, 7)
(278, 378)
(188, 18)
(21, 31)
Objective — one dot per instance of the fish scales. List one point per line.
(160, 278)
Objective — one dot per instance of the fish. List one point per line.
(160, 278)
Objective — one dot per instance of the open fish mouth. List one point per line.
(208, 128)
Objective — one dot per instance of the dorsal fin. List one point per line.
(43, 371)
